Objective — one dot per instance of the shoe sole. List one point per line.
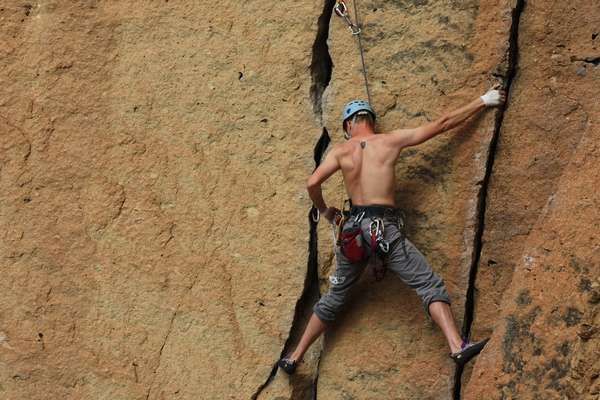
(464, 356)
(287, 366)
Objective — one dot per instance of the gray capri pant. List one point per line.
(411, 267)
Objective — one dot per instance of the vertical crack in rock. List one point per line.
(267, 382)
(508, 77)
(310, 293)
(321, 64)
(321, 67)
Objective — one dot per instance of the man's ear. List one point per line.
(348, 133)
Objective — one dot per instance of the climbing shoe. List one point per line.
(289, 366)
(468, 351)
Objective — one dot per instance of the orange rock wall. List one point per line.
(154, 219)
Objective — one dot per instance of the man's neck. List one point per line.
(362, 132)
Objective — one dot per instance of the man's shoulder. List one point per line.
(337, 148)
(383, 135)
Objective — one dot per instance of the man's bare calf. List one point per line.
(440, 313)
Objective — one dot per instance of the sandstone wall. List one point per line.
(156, 237)
(153, 203)
(540, 192)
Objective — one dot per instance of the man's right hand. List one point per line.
(331, 214)
(494, 97)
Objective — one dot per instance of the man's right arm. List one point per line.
(412, 137)
(327, 168)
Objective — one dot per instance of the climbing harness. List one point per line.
(356, 249)
(341, 10)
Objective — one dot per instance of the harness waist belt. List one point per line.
(375, 211)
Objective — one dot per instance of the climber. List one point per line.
(367, 162)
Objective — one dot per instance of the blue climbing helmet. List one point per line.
(355, 106)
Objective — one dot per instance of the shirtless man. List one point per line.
(367, 162)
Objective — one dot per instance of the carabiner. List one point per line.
(315, 215)
(377, 231)
(340, 9)
(384, 246)
(376, 227)
(359, 217)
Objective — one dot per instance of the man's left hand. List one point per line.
(494, 97)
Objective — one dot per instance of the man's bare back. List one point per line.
(367, 164)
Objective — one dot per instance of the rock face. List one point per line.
(540, 221)
(546, 342)
(547, 116)
(157, 235)
(153, 203)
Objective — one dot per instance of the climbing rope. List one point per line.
(341, 10)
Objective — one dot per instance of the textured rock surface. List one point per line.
(153, 207)
(549, 114)
(153, 212)
(546, 343)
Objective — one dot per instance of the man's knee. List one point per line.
(438, 296)
(432, 290)
(326, 310)
(323, 322)
(436, 303)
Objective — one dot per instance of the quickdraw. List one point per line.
(377, 240)
(341, 10)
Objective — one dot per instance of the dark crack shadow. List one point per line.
(321, 65)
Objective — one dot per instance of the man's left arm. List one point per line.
(327, 168)
(415, 136)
